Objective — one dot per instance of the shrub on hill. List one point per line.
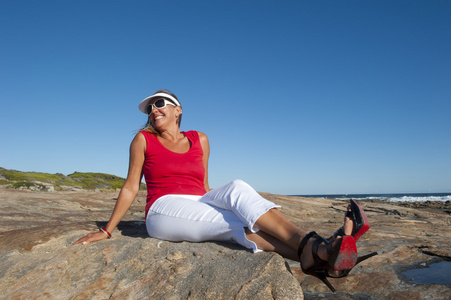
(87, 181)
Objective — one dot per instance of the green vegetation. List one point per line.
(86, 181)
(29, 185)
(13, 175)
(97, 180)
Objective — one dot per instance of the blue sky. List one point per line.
(297, 97)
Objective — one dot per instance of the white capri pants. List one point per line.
(220, 215)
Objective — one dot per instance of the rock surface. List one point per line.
(38, 260)
(405, 237)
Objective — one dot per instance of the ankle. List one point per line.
(322, 252)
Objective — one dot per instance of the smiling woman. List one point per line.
(181, 207)
(147, 105)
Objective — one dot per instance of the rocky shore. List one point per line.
(39, 261)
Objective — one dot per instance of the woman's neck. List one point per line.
(172, 135)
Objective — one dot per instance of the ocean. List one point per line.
(412, 197)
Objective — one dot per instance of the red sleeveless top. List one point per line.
(168, 172)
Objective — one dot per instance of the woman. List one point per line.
(181, 207)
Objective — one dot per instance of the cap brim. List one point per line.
(143, 105)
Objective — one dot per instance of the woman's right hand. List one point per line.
(91, 237)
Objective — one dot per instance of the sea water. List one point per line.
(412, 197)
(438, 273)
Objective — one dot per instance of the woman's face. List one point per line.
(164, 117)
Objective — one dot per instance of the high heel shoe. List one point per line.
(346, 272)
(342, 258)
(360, 220)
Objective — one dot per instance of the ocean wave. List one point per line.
(392, 197)
(407, 197)
(420, 199)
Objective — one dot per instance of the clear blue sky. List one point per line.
(297, 97)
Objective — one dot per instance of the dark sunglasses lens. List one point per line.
(160, 103)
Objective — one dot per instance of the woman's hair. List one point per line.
(148, 126)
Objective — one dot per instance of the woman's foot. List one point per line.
(306, 255)
(320, 258)
(359, 220)
(307, 260)
(348, 225)
(336, 256)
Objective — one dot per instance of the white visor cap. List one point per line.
(143, 105)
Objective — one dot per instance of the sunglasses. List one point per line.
(160, 103)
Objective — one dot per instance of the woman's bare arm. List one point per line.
(128, 192)
(206, 149)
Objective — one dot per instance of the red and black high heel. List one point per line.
(342, 258)
(359, 218)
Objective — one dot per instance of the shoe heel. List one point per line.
(364, 257)
(323, 278)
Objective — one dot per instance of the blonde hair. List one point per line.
(148, 126)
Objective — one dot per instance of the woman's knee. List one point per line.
(240, 184)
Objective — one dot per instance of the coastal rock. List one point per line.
(131, 266)
(404, 235)
(38, 260)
